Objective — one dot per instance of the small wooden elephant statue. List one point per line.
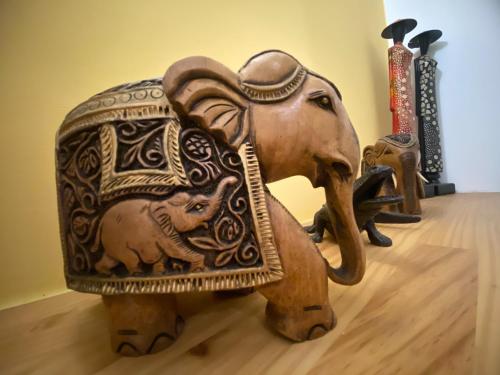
(367, 203)
(402, 153)
(161, 191)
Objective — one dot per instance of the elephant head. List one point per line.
(296, 121)
(402, 153)
(188, 212)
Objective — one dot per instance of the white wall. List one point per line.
(468, 89)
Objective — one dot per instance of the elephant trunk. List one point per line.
(407, 184)
(339, 199)
(218, 195)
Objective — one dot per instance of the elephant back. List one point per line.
(124, 152)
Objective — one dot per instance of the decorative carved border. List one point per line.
(139, 102)
(279, 91)
(270, 271)
(143, 180)
(258, 204)
(393, 140)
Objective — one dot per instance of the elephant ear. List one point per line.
(160, 215)
(369, 158)
(207, 92)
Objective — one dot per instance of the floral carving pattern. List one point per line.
(227, 242)
(79, 174)
(198, 148)
(232, 235)
(140, 144)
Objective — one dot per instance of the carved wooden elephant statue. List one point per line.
(161, 190)
(401, 152)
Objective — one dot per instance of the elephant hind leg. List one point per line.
(131, 260)
(142, 323)
(298, 306)
(159, 267)
(105, 264)
(116, 252)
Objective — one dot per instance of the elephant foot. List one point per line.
(159, 267)
(134, 270)
(142, 323)
(396, 218)
(300, 324)
(375, 237)
(105, 264)
(198, 269)
(310, 228)
(198, 265)
(317, 238)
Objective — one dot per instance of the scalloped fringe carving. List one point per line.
(145, 100)
(261, 220)
(168, 285)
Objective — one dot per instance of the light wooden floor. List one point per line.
(428, 305)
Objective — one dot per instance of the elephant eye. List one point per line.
(198, 207)
(324, 102)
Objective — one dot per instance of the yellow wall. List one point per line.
(55, 54)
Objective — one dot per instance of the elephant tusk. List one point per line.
(422, 177)
(394, 180)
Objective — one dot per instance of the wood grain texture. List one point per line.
(414, 313)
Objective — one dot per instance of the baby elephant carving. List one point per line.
(142, 230)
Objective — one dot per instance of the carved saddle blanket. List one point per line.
(150, 205)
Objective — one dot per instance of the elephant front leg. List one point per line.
(375, 236)
(298, 306)
(105, 264)
(142, 323)
(319, 232)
